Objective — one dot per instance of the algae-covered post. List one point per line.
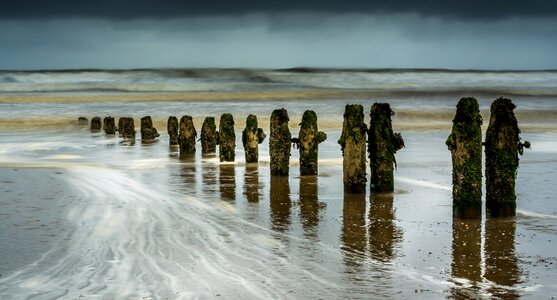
(109, 125)
(209, 136)
(465, 144)
(279, 143)
(227, 138)
(353, 146)
(383, 143)
(96, 124)
(252, 136)
(83, 121)
(172, 128)
(148, 132)
(126, 127)
(188, 135)
(502, 147)
(308, 143)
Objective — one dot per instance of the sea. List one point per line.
(89, 215)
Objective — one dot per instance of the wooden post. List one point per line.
(172, 128)
(209, 136)
(465, 144)
(188, 135)
(251, 138)
(127, 128)
(227, 138)
(279, 143)
(308, 143)
(109, 125)
(353, 146)
(148, 132)
(96, 124)
(82, 121)
(502, 146)
(382, 146)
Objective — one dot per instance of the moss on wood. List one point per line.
(209, 136)
(172, 127)
(353, 146)
(252, 136)
(308, 143)
(188, 135)
(227, 138)
(279, 143)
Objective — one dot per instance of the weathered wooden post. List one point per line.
(96, 124)
(172, 128)
(251, 138)
(82, 121)
(353, 146)
(109, 125)
(308, 142)
(187, 136)
(502, 146)
(209, 136)
(382, 146)
(227, 138)
(465, 144)
(126, 127)
(148, 132)
(279, 143)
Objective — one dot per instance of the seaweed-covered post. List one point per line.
(148, 132)
(251, 138)
(502, 146)
(172, 128)
(126, 127)
(209, 136)
(308, 142)
(279, 143)
(383, 143)
(82, 121)
(96, 124)
(465, 144)
(227, 138)
(353, 146)
(109, 125)
(188, 134)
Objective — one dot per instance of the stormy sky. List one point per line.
(497, 34)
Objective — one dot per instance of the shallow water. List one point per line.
(84, 215)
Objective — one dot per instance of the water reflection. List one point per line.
(188, 174)
(209, 178)
(280, 203)
(384, 235)
(251, 183)
(309, 206)
(227, 182)
(354, 237)
(466, 257)
(501, 263)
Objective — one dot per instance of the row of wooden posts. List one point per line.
(502, 146)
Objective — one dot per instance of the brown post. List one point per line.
(251, 138)
(465, 144)
(502, 146)
(172, 128)
(96, 124)
(382, 146)
(308, 143)
(209, 136)
(82, 121)
(227, 138)
(148, 132)
(279, 143)
(353, 146)
(109, 125)
(188, 135)
(127, 128)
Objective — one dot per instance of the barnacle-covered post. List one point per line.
(82, 121)
(353, 146)
(126, 128)
(227, 138)
(209, 136)
(279, 143)
(172, 127)
(109, 125)
(382, 146)
(308, 142)
(465, 144)
(502, 147)
(252, 136)
(96, 124)
(187, 136)
(148, 132)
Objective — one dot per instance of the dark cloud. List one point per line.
(139, 9)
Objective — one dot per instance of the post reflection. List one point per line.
(227, 182)
(280, 203)
(251, 183)
(384, 235)
(501, 263)
(188, 173)
(466, 257)
(354, 237)
(309, 205)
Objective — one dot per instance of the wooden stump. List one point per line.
(126, 127)
(252, 136)
(465, 144)
(279, 143)
(308, 142)
(172, 128)
(227, 138)
(148, 132)
(353, 146)
(82, 121)
(109, 125)
(96, 124)
(209, 136)
(188, 135)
